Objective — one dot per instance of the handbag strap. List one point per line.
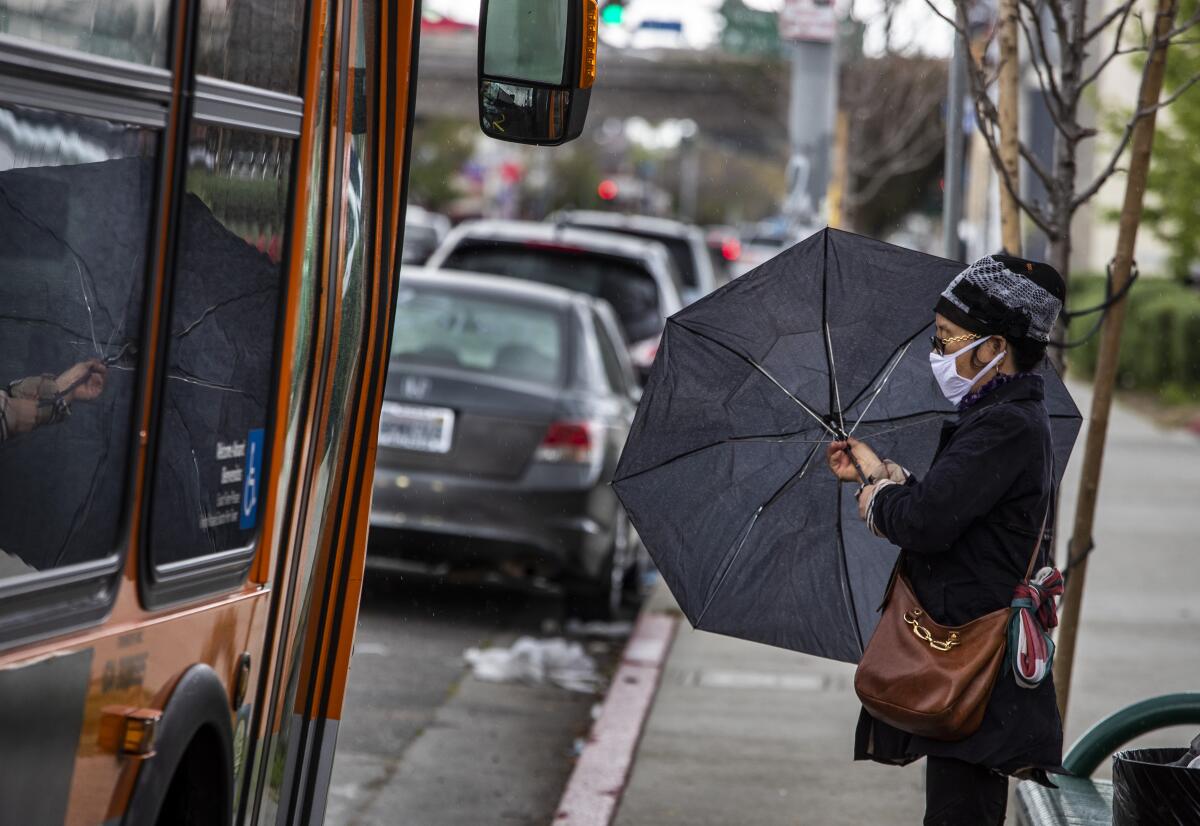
(1041, 534)
(1037, 546)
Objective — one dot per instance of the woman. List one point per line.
(968, 527)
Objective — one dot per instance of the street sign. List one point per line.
(809, 21)
(749, 31)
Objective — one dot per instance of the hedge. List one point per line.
(1160, 346)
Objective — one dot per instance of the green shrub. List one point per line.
(1160, 345)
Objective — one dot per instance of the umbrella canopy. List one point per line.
(723, 473)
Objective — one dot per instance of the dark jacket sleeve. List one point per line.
(971, 475)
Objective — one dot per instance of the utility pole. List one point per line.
(810, 31)
(953, 178)
(1110, 349)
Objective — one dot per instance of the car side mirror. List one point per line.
(537, 64)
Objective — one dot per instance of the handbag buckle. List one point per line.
(913, 616)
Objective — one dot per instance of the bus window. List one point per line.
(133, 30)
(253, 42)
(209, 460)
(75, 196)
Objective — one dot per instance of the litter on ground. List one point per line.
(555, 661)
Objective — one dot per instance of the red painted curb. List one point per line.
(598, 781)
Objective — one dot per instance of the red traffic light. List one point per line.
(607, 190)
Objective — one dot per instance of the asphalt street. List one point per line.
(422, 741)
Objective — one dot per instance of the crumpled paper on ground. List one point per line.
(555, 661)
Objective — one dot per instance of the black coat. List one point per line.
(968, 529)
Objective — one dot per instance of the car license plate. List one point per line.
(413, 427)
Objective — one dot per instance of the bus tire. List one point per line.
(189, 779)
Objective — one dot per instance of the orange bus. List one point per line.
(201, 206)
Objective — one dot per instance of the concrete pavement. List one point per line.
(422, 741)
(741, 733)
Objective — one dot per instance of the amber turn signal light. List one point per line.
(591, 36)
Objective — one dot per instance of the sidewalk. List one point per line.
(741, 733)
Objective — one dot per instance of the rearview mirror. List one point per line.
(537, 63)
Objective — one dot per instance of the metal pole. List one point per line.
(1110, 349)
(953, 178)
(810, 126)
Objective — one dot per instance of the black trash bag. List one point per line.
(1153, 787)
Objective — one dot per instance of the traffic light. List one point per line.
(607, 190)
(613, 12)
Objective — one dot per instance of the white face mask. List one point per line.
(945, 371)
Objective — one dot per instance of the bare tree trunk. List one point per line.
(1060, 259)
(836, 198)
(1010, 90)
(1110, 348)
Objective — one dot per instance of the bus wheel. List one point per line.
(195, 797)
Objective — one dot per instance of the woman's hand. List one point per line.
(843, 468)
(83, 382)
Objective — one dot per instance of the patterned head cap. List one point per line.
(1005, 296)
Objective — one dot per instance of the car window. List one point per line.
(680, 250)
(479, 333)
(608, 354)
(623, 283)
(419, 243)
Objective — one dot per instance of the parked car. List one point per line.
(632, 275)
(724, 249)
(766, 239)
(423, 231)
(685, 243)
(506, 406)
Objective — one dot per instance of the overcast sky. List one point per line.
(701, 24)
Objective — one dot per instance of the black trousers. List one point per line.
(963, 794)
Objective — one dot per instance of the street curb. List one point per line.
(594, 790)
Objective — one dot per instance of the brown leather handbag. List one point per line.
(930, 679)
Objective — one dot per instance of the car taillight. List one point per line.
(731, 249)
(642, 354)
(566, 442)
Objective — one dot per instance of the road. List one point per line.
(424, 742)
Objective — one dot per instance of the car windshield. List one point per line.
(479, 333)
(624, 284)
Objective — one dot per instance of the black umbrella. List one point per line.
(724, 473)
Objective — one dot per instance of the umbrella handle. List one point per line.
(857, 466)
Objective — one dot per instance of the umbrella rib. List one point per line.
(837, 394)
(804, 406)
(922, 419)
(847, 591)
(773, 380)
(878, 372)
(793, 479)
(764, 437)
(883, 381)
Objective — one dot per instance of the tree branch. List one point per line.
(1116, 49)
(898, 166)
(1174, 96)
(1121, 11)
(953, 23)
(1033, 210)
(1127, 135)
(1038, 55)
(1054, 100)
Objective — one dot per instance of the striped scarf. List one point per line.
(1031, 651)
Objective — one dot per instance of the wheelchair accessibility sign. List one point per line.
(251, 480)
